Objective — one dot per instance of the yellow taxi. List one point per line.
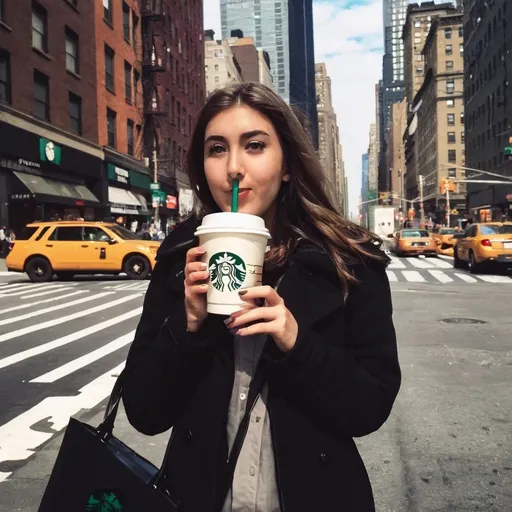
(445, 241)
(414, 241)
(483, 243)
(66, 248)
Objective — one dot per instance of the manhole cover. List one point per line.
(462, 321)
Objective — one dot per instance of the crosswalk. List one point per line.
(436, 271)
(61, 346)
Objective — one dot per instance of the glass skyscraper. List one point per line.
(267, 22)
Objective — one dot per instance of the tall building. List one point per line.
(267, 22)
(416, 29)
(221, 66)
(373, 163)
(364, 189)
(273, 24)
(488, 103)
(327, 130)
(173, 79)
(435, 142)
(50, 160)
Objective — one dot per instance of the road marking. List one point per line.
(396, 263)
(41, 294)
(14, 319)
(440, 276)
(60, 342)
(18, 440)
(466, 278)
(391, 276)
(444, 257)
(80, 362)
(420, 263)
(44, 301)
(57, 321)
(440, 263)
(40, 290)
(496, 279)
(18, 286)
(413, 276)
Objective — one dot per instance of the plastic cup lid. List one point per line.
(233, 222)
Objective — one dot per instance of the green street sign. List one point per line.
(508, 150)
(158, 196)
(154, 186)
(372, 195)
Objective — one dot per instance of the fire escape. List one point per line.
(154, 64)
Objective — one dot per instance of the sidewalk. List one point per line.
(25, 488)
(3, 268)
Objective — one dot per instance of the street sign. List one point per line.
(508, 150)
(372, 194)
(154, 186)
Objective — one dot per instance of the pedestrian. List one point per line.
(325, 337)
(3, 241)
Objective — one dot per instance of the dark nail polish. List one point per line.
(242, 292)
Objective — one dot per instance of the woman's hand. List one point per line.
(196, 279)
(272, 318)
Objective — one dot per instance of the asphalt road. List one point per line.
(446, 447)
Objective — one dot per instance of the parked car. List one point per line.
(482, 244)
(412, 241)
(445, 241)
(67, 248)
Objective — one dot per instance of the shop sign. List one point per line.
(21, 196)
(171, 202)
(157, 198)
(49, 151)
(121, 175)
(20, 165)
(154, 186)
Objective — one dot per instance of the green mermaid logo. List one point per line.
(104, 500)
(227, 271)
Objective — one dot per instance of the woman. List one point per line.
(325, 337)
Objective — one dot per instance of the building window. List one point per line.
(451, 138)
(451, 119)
(417, 24)
(71, 51)
(126, 22)
(452, 172)
(109, 68)
(462, 118)
(450, 103)
(5, 77)
(448, 33)
(136, 79)
(448, 49)
(111, 128)
(461, 49)
(452, 155)
(2, 13)
(135, 26)
(127, 82)
(41, 96)
(39, 28)
(107, 11)
(462, 137)
(129, 136)
(449, 64)
(75, 113)
(450, 86)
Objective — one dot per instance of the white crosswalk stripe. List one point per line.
(465, 277)
(413, 276)
(391, 276)
(64, 348)
(440, 276)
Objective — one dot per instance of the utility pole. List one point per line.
(448, 204)
(155, 180)
(422, 209)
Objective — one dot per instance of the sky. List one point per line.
(348, 38)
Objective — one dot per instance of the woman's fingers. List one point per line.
(271, 297)
(193, 254)
(247, 316)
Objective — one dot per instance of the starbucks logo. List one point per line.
(227, 271)
(104, 500)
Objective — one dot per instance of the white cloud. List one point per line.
(348, 38)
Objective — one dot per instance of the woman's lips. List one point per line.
(243, 193)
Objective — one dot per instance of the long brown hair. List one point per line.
(303, 209)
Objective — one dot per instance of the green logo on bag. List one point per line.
(104, 500)
(227, 271)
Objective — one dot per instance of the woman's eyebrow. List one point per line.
(244, 136)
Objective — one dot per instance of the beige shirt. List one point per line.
(254, 486)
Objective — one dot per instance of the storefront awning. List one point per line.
(123, 202)
(144, 204)
(40, 185)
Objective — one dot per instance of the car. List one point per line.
(445, 241)
(66, 248)
(414, 241)
(482, 244)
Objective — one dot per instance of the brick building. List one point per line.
(173, 87)
(50, 162)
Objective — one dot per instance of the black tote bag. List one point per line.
(95, 472)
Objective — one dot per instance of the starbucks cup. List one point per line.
(235, 245)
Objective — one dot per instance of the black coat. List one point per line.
(338, 382)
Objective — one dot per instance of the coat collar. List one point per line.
(180, 239)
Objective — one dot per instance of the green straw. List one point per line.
(234, 196)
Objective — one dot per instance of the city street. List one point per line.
(446, 447)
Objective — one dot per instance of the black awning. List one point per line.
(54, 190)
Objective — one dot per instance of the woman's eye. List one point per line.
(255, 146)
(216, 150)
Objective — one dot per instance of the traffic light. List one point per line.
(446, 184)
(442, 186)
(451, 186)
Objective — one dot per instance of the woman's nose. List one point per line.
(235, 170)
